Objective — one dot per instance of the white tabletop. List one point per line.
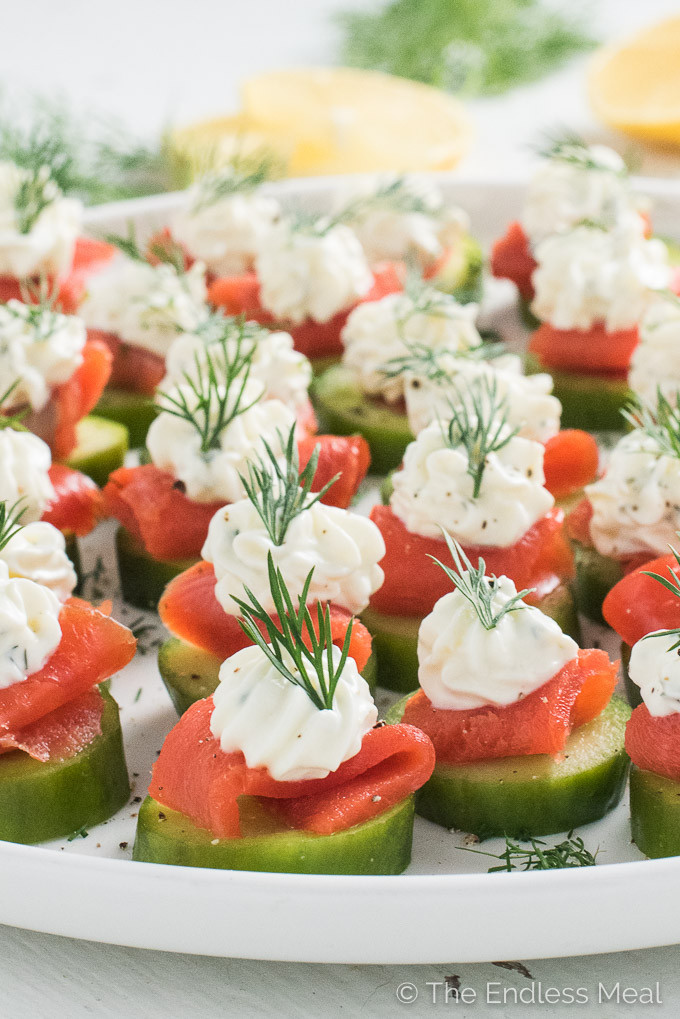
(152, 62)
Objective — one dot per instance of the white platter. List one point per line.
(446, 907)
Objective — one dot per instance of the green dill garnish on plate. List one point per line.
(393, 194)
(79, 833)
(672, 585)
(13, 421)
(539, 856)
(243, 175)
(477, 421)
(280, 494)
(10, 521)
(301, 654)
(662, 425)
(168, 252)
(473, 47)
(36, 309)
(478, 589)
(212, 397)
(434, 364)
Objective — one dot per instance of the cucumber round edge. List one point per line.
(135, 411)
(591, 402)
(654, 813)
(143, 578)
(595, 577)
(101, 448)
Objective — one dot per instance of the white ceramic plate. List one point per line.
(446, 907)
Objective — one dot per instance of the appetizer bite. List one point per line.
(475, 477)
(137, 309)
(284, 768)
(405, 219)
(209, 428)
(653, 732)
(309, 274)
(592, 288)
(58, 375)
(528, 738)
(62, 766)
(576, 183)
(280, 516)
(40, 231)
(48, 492)
(655, 364)
(633, 511)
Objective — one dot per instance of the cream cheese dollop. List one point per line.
(655, 669)
(591, 275)
(276, 726)
(39, 349)
(377, 332)
(655, 364)
(463, 666)
(311, 272)
(344, 549)
(433, 490)
(47, 247)
(636, 504)
(224, 226)
(529, 405)
(25, 461)
(284, 373)
(405, 217)
(29, 627)
(37, 552)
(146, 305)
(590, 184)
(175, 446)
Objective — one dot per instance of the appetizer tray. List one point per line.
(446, 906)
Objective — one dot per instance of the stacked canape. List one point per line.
(280, 516)
(284, 768)
(62, 765)
(475, 477)
(219, 417)
(632, 512)
(528, 738)
(52, 375)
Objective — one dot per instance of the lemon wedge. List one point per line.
(635, 87)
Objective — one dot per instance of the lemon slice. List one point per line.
(635, 87)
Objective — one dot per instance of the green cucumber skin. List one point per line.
(343, 409)
(73, 552)
(465, 282)
(101, 448)
(189, 674)
(595, 577)
(49, 800)
(143, 578)
(633, 695)
(135, 411)
(534, 795)
(379, 846)
(654, 813)
(527, 315)
(395, 639)
(591, 402)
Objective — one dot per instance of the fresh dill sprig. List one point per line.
(10, 521)
(297, 651)
(167, 251)
(662, 425)
(13, 421)
(476, 587)
(208, 401)
(36, 309)
(672, 585)
(538, 856)
(244, 174)
(433, 364)
(478, 47)
(567, 146)
(36, 192)
(393, 194)
(478, 422)
(280, 494)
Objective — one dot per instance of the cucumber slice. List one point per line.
(395, 638)
(343, 409)
(534, 795)
(591, 402)
(379, 846)
(73, 552)
(654, 813)
(134, 410)
(595, 577)
(461, 273)
(527, 315)
(633, 695)
(101, 448)
(48, 800)
(322, 364)
(190, 673)
(143, 578)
